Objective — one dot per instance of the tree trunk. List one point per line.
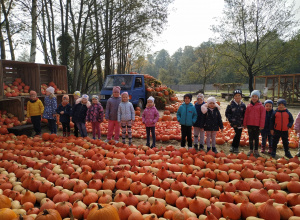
(2, 45)
(7, 26)
(250, 80)
(33, 31)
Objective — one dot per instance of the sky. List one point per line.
(189, 24)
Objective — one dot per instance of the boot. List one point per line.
(64, 134)
(249, 153)
(256, 154)
(231, 149)
(263, 148)
(269, 150)
(68, 134)
(196, 146)
(208, 149)
(236, 150)
(201, 147)
(288, 154)
(214, 149)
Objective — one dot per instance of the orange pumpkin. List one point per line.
(103, 212)
(4, 202)
(7, 214)
(48, 214)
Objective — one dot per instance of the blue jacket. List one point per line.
(187, 114)
(126, 112)
(64, 118)
(79, 113)
(235, 114)
(268, 121)
(200, 115)
(212, 120)
(50, 107)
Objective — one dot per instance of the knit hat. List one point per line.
(238, 91)
(281, 101)
(66, 97)
(211, 100)
(268, 101)
(33, 93)
(200, 96)
(95, 97)
(124, 93)
(50, 89)
(188, 95)
(77, 93)
(151, 99)
(85, 96)
(255, 92)
(116, 89)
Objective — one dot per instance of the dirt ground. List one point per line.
(225, 147)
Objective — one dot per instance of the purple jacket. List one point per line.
(297, 122)
(112, 106)
(150, 116)
(255, 115)
(95, 113)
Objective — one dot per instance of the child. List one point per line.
(254, 120)
(111, 114)
(35, 109)
(50, 109)
(235, 113)
(197, 129)
(281, 121)
(95, 116)
(76, 96)
(65, 111)
(265, 133)
(297, 129)
(211, 122)
(126, 117)
(187, 116)
(79, 113)
(149, 117)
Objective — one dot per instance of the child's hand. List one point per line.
(272, 132)
(62, 112)
(261, 128)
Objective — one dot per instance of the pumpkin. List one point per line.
(231, 211)
(48, 214)
(4, 202)
(248, 209)
(285, 212)
(7, 214)
(268, 211)
(103, 212)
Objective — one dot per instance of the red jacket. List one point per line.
(255, 115)
(282, 120)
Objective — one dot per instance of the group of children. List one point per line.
(204, 116)
(256, 117)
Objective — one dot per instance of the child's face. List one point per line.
(76, 97)
(237, 97)
(149, 103)
(48, 93)
(254, 98)
(211, 105)
(116, 94)
(84, 101)
(32, 97)
(124, 98)
(187, 100)
(200, 100)
(281, 107)
(65, 100)
(94, 101)
(268, 107)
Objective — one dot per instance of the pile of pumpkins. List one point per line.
(8, 120)
(81, 178)
(56, 89)
(16, 88)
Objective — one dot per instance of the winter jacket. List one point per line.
(187, 114)
(255, 115)
(150, 116)
(95, 113)
(35, 108)
(126, 112)
(79, 113)
(212, 120)
(200, 115)
(111, 112)
(235, 113)
(65, 117)
(50, 107)
(297, 122)
(281, 120)
(268, 120)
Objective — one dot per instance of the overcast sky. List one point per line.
(189, 24)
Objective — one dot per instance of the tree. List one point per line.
(205, 67)
(249, 31)
(34, 19)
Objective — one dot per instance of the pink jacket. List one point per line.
(150, 116)
(255, 115)
(297, 122)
